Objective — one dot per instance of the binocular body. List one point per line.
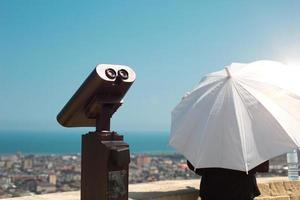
(105, 156)
(105, 86)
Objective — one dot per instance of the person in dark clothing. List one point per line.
(227, 184)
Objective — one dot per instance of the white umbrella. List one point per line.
(239, 117)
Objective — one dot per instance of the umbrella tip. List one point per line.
(228, 72)
(186, 94)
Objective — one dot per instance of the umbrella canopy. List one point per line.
(239, 117)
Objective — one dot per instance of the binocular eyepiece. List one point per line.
(105, 88)
(111, 73)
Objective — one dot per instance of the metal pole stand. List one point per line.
(105, 160)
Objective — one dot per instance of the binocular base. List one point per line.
(104, 166)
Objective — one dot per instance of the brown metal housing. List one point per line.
(104, 167)
(105, 156)
(97, 87)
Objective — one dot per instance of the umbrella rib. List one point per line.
(278, 88)
(269, 84)
(242, 136)
(207, 82)
(213, 109)
(215, 85)
(294, 140)
(219, 84)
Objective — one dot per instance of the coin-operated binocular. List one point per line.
(105, 156)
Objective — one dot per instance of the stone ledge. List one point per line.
(161, 190)
(55, 196)
(277, 188)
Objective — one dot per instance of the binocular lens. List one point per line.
(110, 73)
(123, 73)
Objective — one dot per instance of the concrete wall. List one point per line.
(279, 188)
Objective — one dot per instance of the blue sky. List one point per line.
(48, 47)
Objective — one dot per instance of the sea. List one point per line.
(43, 142)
